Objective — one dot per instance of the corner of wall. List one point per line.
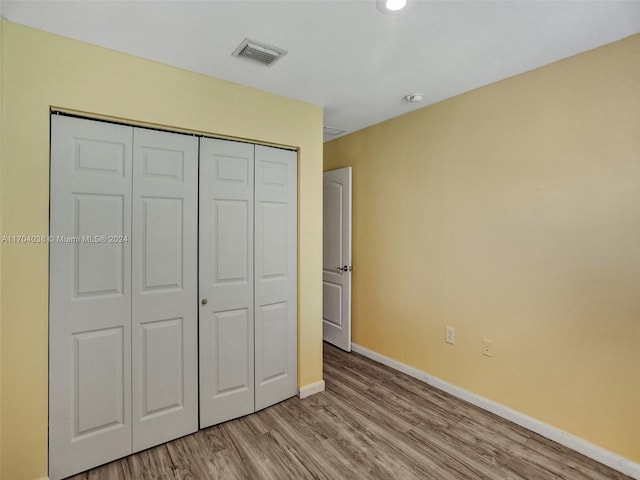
(311, 389)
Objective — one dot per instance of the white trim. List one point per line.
(312, 388)
(599, 454)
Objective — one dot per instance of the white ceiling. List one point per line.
(344, 55)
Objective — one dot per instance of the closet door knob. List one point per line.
(204, 301)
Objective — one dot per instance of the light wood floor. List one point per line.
(371, 423)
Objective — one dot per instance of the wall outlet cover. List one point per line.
(450, 336)
(487, 349)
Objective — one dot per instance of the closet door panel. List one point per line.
(275, 275)
(164, 279)
(226, 280)
(90, 295)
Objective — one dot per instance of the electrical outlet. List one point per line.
(450, 336)
(487, 349)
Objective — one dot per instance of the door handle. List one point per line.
(344, 269)
(204, 301)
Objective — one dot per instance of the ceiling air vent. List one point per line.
(259, 52)
(333, 131)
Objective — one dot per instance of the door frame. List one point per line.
(340, 276)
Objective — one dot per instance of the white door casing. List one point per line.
(226, 280)
(90, 295)
(336, 258)
(164, 287)
(276, 267)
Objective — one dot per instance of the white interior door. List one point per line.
(336, 258)
(226, 280)
(276, 286)
(90, 295)
(164, 287)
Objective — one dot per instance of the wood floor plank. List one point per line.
(312, 445)
(372, 422)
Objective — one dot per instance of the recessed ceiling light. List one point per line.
(391, 6)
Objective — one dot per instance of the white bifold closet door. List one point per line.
(276, 268)
(117, 289)
(226, 280)
(248, 278)
(89, 295)
(164, 287)
(124, 340)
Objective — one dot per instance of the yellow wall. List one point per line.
(511, 213)
(42, 70)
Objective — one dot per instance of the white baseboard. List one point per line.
(312, 388)
(599, 454)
